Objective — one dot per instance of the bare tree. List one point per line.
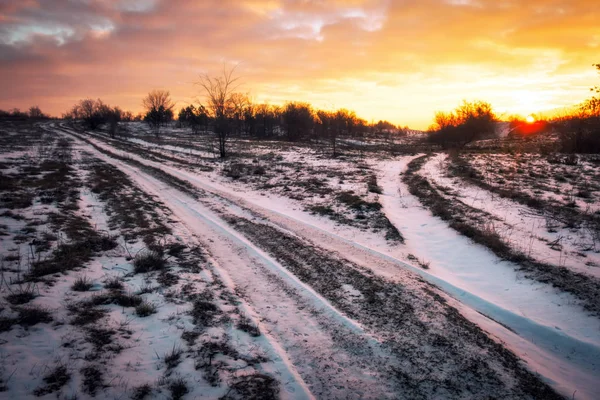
(159, 108)
(93, 113)
(35, 112)
(219, 91)
(240, 103)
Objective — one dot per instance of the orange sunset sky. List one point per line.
(395, 60)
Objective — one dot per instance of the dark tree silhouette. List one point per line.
(219, 91)
(469, 122)
(298, 120)
(266, 119)
(93, 113)
(159, 109)
(36, 113)
(580, 132)
(194, 118)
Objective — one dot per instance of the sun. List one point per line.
(530, 119)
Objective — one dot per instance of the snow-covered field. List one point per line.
(279, 273)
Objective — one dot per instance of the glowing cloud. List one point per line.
(385, 59)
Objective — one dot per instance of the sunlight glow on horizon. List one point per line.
(385, 60)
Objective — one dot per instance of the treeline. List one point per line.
(96, 113)
(226, 113)
(34, 112)
(469, 122)
(578, 131)
(235, 115)
(294, 121)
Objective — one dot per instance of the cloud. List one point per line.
(399, 60)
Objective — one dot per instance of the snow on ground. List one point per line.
(520, 226)
(122, 349)
(171, 148)
(303, 323)
(563, 179)
(549, 326)
(553, 327)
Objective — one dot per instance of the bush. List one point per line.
(92, 379)
(467, 123)
(204, 312)
(254, 386)
(85, 314)
(579, 134)
(246, 325)
(355, 202)
(69, 256)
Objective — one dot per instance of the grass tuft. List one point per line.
(254, 386)
(148, 261)
(54, 380)
(114, 282)
(92, 380)
(145, 309)
(24, 294)
(245, 324)
(82, 284)
(141, 392)
(173, 358)
(178, 388)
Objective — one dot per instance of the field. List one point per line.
(143, 266)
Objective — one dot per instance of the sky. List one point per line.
(396, 60)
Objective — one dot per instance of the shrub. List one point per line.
(69, 256)
(355, 202)
(254, 386)
(321, 210)
(204, 312)
(85, 314)
(467, 123)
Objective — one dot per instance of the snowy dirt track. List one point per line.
(312, 335)
(305, 334)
